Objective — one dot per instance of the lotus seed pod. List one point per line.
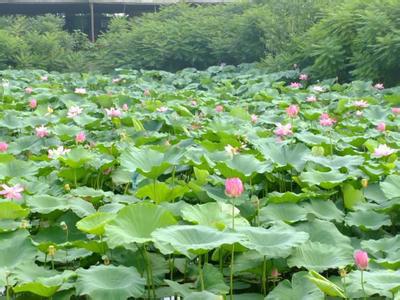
(67, 187)
(364, 182)
(51, 250)
(318, 151)
(64, 226)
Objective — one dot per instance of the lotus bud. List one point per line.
(361, 259)
(364, 182)
(275, 273)
(51, 250)
(64, 226)
(233, 187)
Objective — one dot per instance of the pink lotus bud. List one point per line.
(28, 90)
(193, 103)
(303, 77)
(146, 92)
(275, 273)
(254, 118)
(361, 259)
(80, 137)
(396, 110)
(233, 187)
(125, 107)
(3, 146)
(32, 103)
(381, 126)
(292, 111)
(219, 108)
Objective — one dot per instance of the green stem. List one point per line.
(147, 274)
(201, 273)
(8, 289)
(75, 180)
(362, 284)
(220, 259)
(233, 213)
(344, 286)
(330, 141)
(52, 262)
(149, 266)
(264, 277)
(231, 275)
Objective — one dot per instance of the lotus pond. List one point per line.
(228, 183)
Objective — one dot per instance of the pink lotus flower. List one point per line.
(125, 107)
(311, 98)
(231, 150)
(303, 77)
(326, 120)
(292, 111)
(146, 93)
(379, 86)
(381, 126)
(80, 91)
(12, 192)
(283, 130)
(113, 112)
(383, 150)
(162, 109)
(74, 111)
(44, 78)
(28, 90)
(296, 85)
(32, 103)
(233, 187)
(361, 259)
(3, 146)
(254, 118)
(219, 108)
(359, 113)
(361, 104)
(41, 132)
(80, 137)
(396, 110)
(56, 153)
(193, 103)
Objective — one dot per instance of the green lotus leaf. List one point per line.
(287, 212)
(135, 224)
(243, 165)
(386, 251)
(15, 248)
(276, 197)
(218, 215)
(274, 242)
(324, 209)
(367, 219)
(326, 180)
(109, 282)
(320, 257)
(95, 223)
(337, 162)
(11, 210)
(299, 288)
(18, 168)
(326, 286)
(204, 295)
(391, 186)
(77, 157)
(351, 196)
(161, 192)
(192, 239)
(213, 280)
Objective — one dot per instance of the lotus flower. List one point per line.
(193, 103)
(303, 77)
(383, 150)
(74, 111)
(379, 86)
(28, 90)
(361, 104)
(162, 109)
(146, 92)
(113, 112)
(32, 103)
(318, 89)
(311, 98)
(12, 192)
(125, 107)
(80, 91)
(283, 130)
(3, 146)
(219, 108)
(116, 80)
(231, 150)
(80, 137)
(292, 111)
(44, 78)
(396, 110)
(326, 120)
(55, 153)
(296, 85)
(41, 132)
(361, 259)
(233, 187)
(254, 118)
(381, 126)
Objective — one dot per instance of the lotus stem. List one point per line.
(362, 284)
(264, 276)
(75, 180)
(200, 273)
(150, 271)
(231, 275)
(7, 288)
(330, 142)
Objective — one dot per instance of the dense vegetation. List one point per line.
(197, 184)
